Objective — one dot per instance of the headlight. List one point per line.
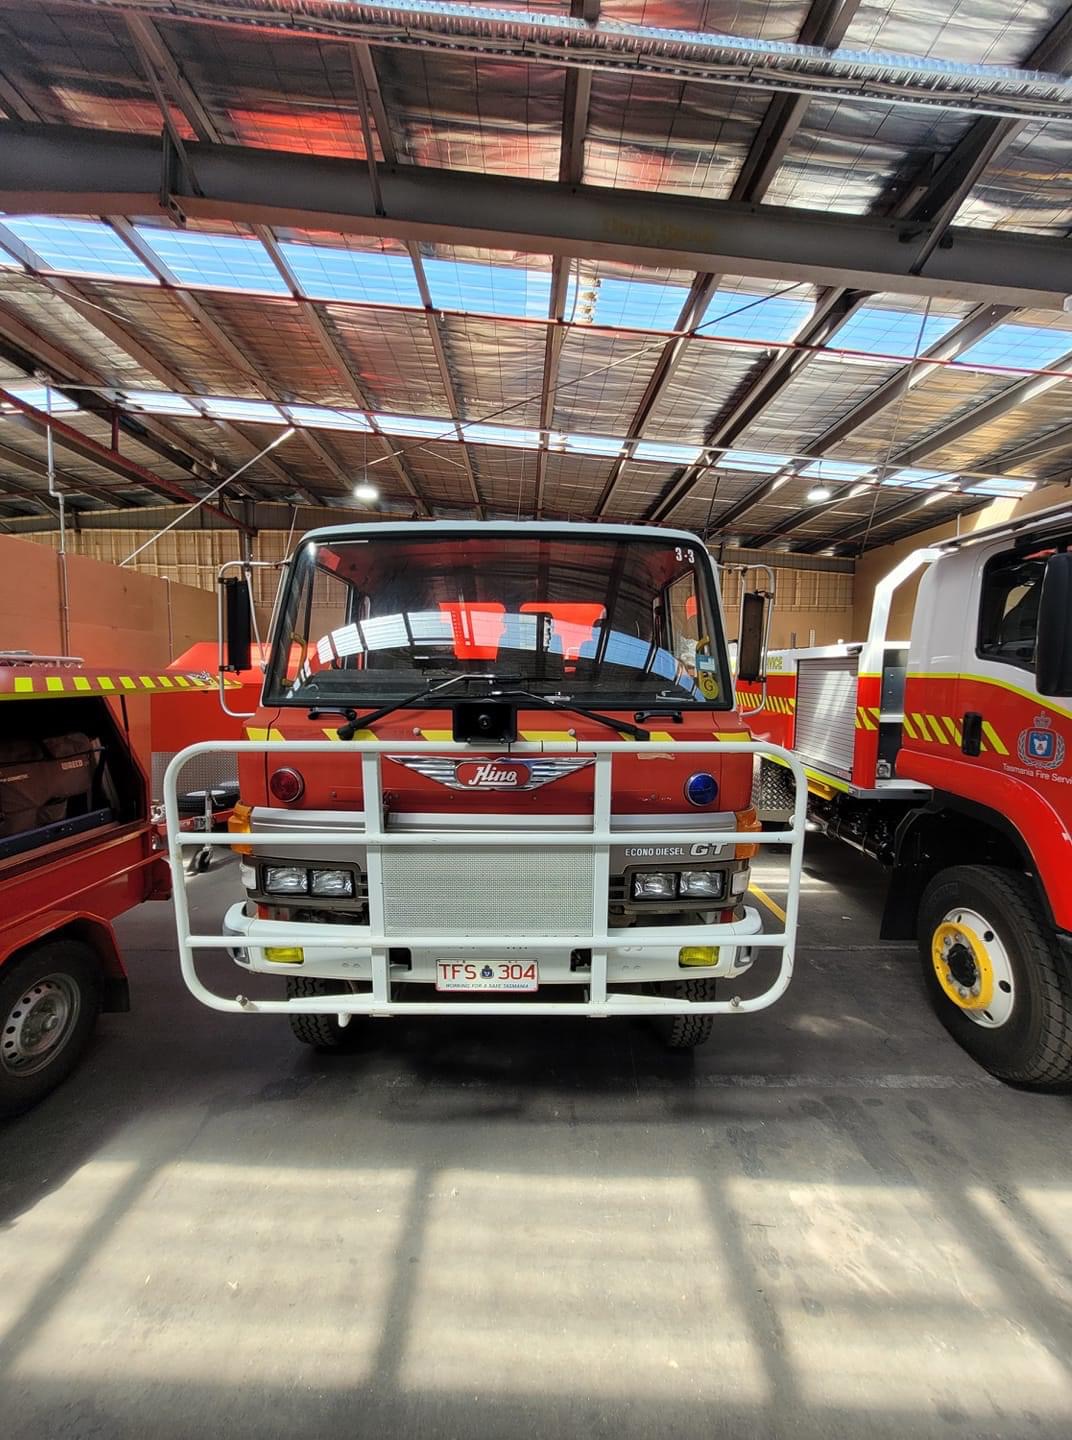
(654, 885)
(332, 883)
(286, 880)
(709, 884)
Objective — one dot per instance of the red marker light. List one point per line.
(287, 785)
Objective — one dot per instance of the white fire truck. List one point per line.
(497, 769)
(948, 757)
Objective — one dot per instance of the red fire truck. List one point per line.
(948, 757)
(76, 850)
(497, 769)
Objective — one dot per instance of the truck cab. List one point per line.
(951, 763)
(497, 768)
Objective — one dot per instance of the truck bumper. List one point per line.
(642, 958)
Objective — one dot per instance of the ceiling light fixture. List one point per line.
(820, 492)
(366, 492)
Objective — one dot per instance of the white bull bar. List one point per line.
(374, 838)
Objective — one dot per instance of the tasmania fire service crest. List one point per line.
(1041, 746)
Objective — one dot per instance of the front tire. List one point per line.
(995, 976)
(322, 1032)
(685, 1032)
(49, 1001)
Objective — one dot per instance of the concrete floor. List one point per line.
(828, 1224)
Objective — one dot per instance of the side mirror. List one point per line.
(1053, 652)
(238, 623)
(751, 642)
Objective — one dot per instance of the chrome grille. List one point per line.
(430, 889)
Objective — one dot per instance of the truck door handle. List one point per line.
(971, 731)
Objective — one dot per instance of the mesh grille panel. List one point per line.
(429, 889)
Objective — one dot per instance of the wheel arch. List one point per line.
(951, 830)
(89, 930)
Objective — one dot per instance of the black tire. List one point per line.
(1034, 1046)
(322, 1032)
(57, 978)
(685, 1032)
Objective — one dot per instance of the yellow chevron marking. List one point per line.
(165, 680)
(127, 682)
(874, 712)
(437, 734)
(909, 728)
(54, 682)
(954, 729)
(258, 732)
(535, 735)
(105, 682)
(994, 738)
(939, 733)
(81, 683)
(23, 685)
(183, 681)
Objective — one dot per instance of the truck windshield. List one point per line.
(596, 619)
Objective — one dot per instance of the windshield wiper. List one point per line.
(547, 702)
(355, 722)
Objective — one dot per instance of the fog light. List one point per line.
(286, 880)
(332, 883)
(701, 789)
(654, 885)
(285, 954)
(698, 955)
(704, 883)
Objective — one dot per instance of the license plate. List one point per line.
(487, 975)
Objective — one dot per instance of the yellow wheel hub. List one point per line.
(967, 979)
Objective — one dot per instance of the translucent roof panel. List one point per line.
(891, 332)
(221, 262)
(587, 444)
(321, 418)
(225, 407)
(666, 452)
(491, 289)
(911, 478)
(37, 396)
(836, 470)
(79, 247)
(753, 316)
(1005, 486)
(1032, 346)
(756, 462)
(639, 304)
(327, 273)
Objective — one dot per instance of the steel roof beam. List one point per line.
(982, 415)
(824, 25)
(59, 170)
(34, 465)
(338, 361)
(959, 339)
(435, 334)
(832, 308)
(32, 352)
(130, 344)
(859, 527)
(698, 57)
(931, 207)
(110, 460)
(576, 98)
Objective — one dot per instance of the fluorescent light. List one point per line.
(365, 491)
(820, 492)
